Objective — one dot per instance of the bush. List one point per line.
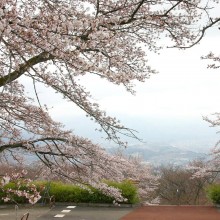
(72, 193)
(213, 193)
(14, 198)
(128, 189)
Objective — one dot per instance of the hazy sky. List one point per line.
(167, 108)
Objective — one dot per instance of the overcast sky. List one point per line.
(167, 108)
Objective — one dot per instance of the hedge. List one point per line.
(72, 193)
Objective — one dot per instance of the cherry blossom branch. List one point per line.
(42, 57)
(31, 193)
(202, 33)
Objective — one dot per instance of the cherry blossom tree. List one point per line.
(213, 161)
(52, 42)
(143, 176)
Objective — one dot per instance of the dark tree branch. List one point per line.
(202, 33)
(138, 7)
(22, 144)
(42, 57)
(173, 7)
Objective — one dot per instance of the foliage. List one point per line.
(14, 198)
(67, 192)
(213, 193)
(73, 193)
(23, 187)
(16, 189)
(147, 181)
(129, 190)
(64, 192)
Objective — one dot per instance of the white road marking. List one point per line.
(66, 211)
(59, 216)
(71, 207)
(3, 214)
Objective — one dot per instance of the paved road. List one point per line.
(114, 213)
(10, 213)
(66, 213)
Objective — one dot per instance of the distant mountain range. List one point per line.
(161, 154)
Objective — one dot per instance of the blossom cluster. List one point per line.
(30, 192)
